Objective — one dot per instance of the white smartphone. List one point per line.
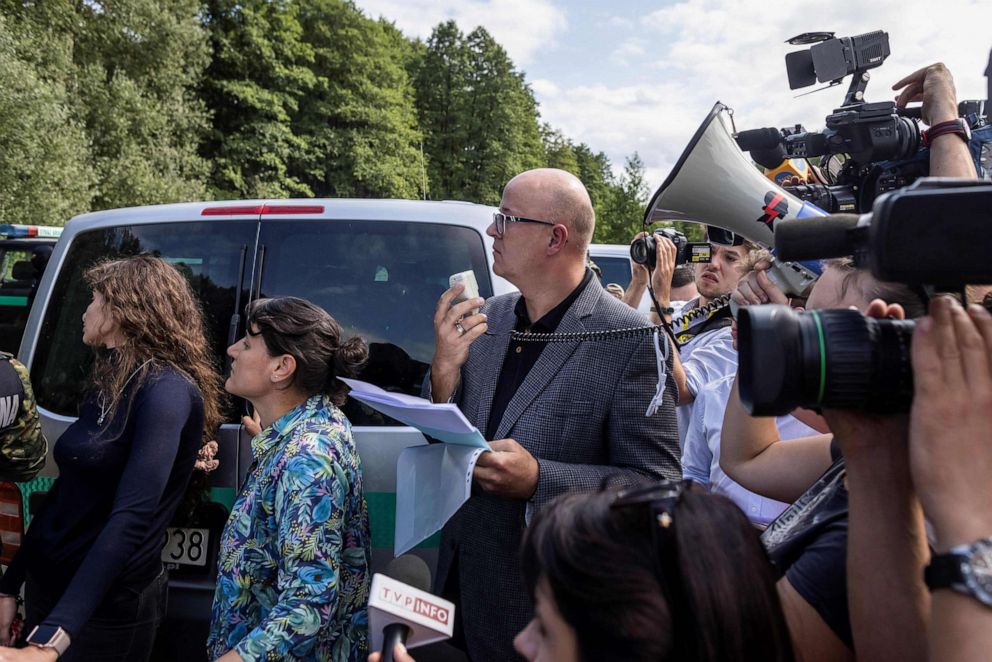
(471, 291)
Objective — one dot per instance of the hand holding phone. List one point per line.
(471, 287)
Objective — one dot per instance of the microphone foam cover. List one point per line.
(411, 570)
(815, 238)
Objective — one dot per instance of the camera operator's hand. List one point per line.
(756, 288)
(455, 329)
(934, 86)
(886, 547)
(856, 430)
(661, 277)
(638, 279)
(951, 419)
(638, 272)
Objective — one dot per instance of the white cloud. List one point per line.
(620, 22)
(628, 51)
(545, 88)
(523, 27)
(621, 120)
(733, 51)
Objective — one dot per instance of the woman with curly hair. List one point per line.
(293, 568)
(91, 560)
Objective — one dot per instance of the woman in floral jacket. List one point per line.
(293, 569)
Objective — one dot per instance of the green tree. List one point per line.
(478, 115)
(129, 70)
(44, 175)
(138, 63)
(440, 79)
(596, 173)
(259, 74)
(358, 124)
(501, 112)
(559, 151)
(623, 215)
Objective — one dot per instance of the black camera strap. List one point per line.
(714, 315)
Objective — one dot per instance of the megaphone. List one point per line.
(715, 183)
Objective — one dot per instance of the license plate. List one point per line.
(185, 546)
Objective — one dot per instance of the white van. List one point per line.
(614, 261)
(377, 266)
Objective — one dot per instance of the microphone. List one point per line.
(837, 235)
(401, 610)
(767, 138)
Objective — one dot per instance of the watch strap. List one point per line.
(944, 571)
(59, 642)
(956, 126)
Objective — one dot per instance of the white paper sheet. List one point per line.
(432, 482)
(443, 421)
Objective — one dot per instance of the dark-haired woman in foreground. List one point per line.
(293, 569)
(652, 574)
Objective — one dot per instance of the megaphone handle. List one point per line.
(791, 277)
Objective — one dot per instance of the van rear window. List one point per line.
(208, 254)
(615, 269)
(380, 280)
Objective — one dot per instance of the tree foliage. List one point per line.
(478, 114)
(126, 102)
(44, 173)
(358, 124)
(259, 73)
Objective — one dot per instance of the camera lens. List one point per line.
(642, 251)
(836, 359)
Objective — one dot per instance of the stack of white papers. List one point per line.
(433, 481)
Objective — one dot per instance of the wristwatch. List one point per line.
(957, 126)
(50, 636)
(966, 569)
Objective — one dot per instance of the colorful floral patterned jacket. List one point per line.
(292, 581)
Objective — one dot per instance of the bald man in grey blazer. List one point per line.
(560, 416)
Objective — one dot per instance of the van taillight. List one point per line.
(11, 521)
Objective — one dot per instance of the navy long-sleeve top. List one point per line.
(103, 523)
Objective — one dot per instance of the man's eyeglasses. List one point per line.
(501, 219)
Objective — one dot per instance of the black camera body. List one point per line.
(881, 142)
(866, 132)
(935, 233)
(644, 251)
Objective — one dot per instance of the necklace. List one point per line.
(103, 402)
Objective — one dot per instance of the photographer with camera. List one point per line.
(701, 452)
(683, 286)
(702, 329)
(885, 547)
(808, 542)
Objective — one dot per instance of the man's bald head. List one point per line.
(560, 197)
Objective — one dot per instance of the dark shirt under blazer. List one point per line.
(581, 412)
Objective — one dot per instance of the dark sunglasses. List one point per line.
(723, 237)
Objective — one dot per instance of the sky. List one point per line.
(633, 75)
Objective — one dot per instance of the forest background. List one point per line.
(131, 102)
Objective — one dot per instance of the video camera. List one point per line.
(879, 140)
(935, 234)
(643, 250)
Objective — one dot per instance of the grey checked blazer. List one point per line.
(580, 412)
